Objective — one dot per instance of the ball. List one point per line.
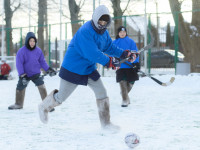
(132, 140)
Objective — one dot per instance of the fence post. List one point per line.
(65, 37)
(8, 41)
(34, 29)
(49, 45)
(139, 39)
(20, 37)
(176, 44)
(124, 21)
(56, 52)
(149, 51)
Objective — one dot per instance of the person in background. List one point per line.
(89, 46)
(5, 70)
(29, 61)
(126, 75)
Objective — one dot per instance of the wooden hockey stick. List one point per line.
(154, 79)
(158, 81)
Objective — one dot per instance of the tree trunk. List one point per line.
(42, 6)
(189, 40)
(46, 47)
(74, 14)
(8, 29)
(196, 13)
(117, 14)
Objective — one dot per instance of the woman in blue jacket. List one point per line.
(87, 48)
(126, 75)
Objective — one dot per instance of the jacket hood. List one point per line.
(28, 36)
(98, 12)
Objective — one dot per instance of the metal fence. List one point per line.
(58, 36)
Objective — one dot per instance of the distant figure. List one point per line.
(5, 70)
(126, 75)
(29, 61)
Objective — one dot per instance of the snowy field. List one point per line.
(165, 118)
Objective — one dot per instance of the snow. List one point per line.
(195, 32)
(165, 118)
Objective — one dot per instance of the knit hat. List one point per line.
(121, 28)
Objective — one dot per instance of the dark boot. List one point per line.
(19, 100)
(47, 104)
(124, 93)
(43, 91)
(104, 114)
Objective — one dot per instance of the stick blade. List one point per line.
(170, 82)
(172, 79)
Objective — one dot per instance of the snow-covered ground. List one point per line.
(165, 118)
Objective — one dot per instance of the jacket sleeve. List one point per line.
(134, 47)
(19, 63)
(111, 48)
(87, 47)
(43, 62)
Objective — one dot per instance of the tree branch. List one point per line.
(81, 5)
(126, 7)
(15, 9)
(65, 15)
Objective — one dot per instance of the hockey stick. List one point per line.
(154, 79)
(158, 81)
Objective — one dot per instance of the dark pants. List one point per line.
(128, 74)
(3, 77)
(36, 79)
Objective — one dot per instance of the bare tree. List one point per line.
(74, 14)
(42, 19)
(196, 14)
(188, 33)
(118, 13)
(8, 18)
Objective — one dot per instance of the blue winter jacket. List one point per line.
(126, 43)
(87, 48)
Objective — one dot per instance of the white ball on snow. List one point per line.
(132, 140)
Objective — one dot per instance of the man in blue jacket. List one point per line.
(87, 48)
(29, 61)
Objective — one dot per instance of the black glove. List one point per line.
(25, 79)
(115, 62)
(137, 67)
(51, 72)
(125, 54)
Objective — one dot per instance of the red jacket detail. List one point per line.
(5, 69)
